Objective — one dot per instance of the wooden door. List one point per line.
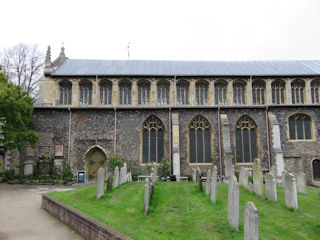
(96, 160)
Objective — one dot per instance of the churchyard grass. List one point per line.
(180, 211)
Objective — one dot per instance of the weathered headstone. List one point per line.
(283, 178)
(200, 185)
(109, 182)
(251, 223)
(233, 203)
(194, 175)
(129, 177)
(257, 177)
(214, 184)
(301, 183)
(291, 191)
(154, 174)
(100, 182)
(123, 174)
(208, 183)
(116, 177)
(198, 175)
(273, 170)
(271, 187)
(151, 192)
(250, 187)
(146, 196)
(243, 177)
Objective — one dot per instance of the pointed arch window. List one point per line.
(297, 91)
(144, 93)
(163, 93)
(152, 140)
(199, 140)
(239, 93)
(183, 93)
(246, 140)
(220, 89)
(316, 169)
(65, 93)
(85, 93)
(105, 92)
(315, 91)
(300, 127)
(258, 92)
(278, 88)
(202, 93)
(125, 93)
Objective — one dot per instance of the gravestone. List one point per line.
(233, 203)
(146, 196)
(283, 178)
(290, 189)
(243, 177)
(129, 177)
(257, 177)
(100, 182)
(123, 174)
(301, 183)
(154, 174)
(271, 187)
(208, 183)
(116, 177)
(250, 187)
(200, 185)
(194, 175)
(273, 170)
(251, 223)
(214, 184)
(109, 182)
(151, 192)
(198, 176)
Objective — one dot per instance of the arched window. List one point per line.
(183, 93)
(315, 91)
(202, 93)
(239, 93)
(65, 93)
(316, 169)
(246, 140)
(163, 93)
(220, 89)
(143, 93)
(278, 91)
(85, 93)
(105, 92)
(297, 91)
(125, 93)
(152, 140)
(300, 127)
(199, 140)
(258, 91)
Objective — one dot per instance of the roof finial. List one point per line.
(62, 54)
(48, 66)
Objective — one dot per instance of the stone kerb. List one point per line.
(257, 178)
(301, 183)
(233, 203)
(116, 177)
(251, 223)
(290, 189)
(214, 184)
(208, 183)
(146, 196)
(271, 187)
(100, 182)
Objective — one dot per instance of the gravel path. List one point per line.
(21, 216)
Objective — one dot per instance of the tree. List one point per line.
(23, 66)
(16, 109)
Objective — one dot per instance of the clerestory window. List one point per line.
(125, 93)
(258, 92)
(315, 91)
(297, 91)
(106, 92)
(202, 93)
(143, 93)
(85, 93)
(182, 93)
(239, 93)
(163, 93)
(65, 93)
(278, 88)
(220, 89)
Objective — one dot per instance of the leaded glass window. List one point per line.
(163, 93)
(202, 93)
(65, 93)
(297, 91)
(239, 93)
(143, 93)
(199, 140)
(220, 89)
(152, 140)
(258, 92)
(300, 127)
(316, 169)
(278, 91)
(106, 93)
(125, 93)
(315, 91)
(246, 140)
(85, 93)
(182, 93)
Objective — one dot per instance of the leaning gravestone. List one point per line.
(198, 177)
(301, 183)
(208, 183)
(194, 175)
(151, 192)
(109, 182)
(271, 187)
(251, 223)
(214, 184)
(243, 177)
(129, 177)
(257, 177)
(233, 203)
(290, 189)
(146, 196)
(116, 177)
(154, 174)
(100, 182)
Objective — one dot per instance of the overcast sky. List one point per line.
(166, 30)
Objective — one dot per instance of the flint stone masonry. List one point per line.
(214, 184)
(100, 182)
(208, 183)
(291, 191)
(257, 178)
(146, 196)
(251, 223)
(116, 177)
(301, 183)
(271, 187)
(233, 203)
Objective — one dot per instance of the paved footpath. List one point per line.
(21, 216)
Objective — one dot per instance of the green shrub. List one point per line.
(115, 161)
(250, 179)
(67, 175)
(135, 176)
(8, 175)
(164, 168)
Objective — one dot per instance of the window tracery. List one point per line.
(220, 89)
(143, 93)
(182, 93)
(202, 93)
(258, 92)
(278, 91)
(315, 91)
(239, 93)
(125, 93)
(85, 93)
(297, 91)
(65, 93)
(300, 127)
(106, 93)
(163, 93)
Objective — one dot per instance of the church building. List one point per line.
(192, 113)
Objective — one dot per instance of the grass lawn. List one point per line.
(180, 211)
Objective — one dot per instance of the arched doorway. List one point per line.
(95, 159)
(316, 170)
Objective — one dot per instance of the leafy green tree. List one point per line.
(16, 109)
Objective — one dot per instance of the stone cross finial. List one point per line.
(48, 66)
(62, 54)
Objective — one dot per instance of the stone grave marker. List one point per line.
(251, 223)
(214, 184)
(116, 177)
(123, 174)
(257, 177)
(290, 189)
(194, 175)
(151, 192)
(243, 177)
(198, 177)
(233, 203)
(301, 183)
(109, 182)
(271, 187)
(100, 182)
(146, 196)
(283, 178)
(154, 173)
(273, 170)
(208, 183)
